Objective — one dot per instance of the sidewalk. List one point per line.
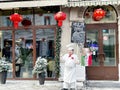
(30, 85)
(56, 85)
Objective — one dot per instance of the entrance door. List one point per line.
(102, 41)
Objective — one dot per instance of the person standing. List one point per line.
(17, 60)
(70, 59)
(88, 57)
(51, 67)
(6, 51)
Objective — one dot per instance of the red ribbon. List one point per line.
(70, 56)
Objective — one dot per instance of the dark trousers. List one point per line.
(17, 72)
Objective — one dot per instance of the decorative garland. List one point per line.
(57, 51)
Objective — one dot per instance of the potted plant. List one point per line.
(4, 67)
(24, 56)
(40, 69)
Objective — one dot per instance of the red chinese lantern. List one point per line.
(60, 23)
(60, 16)
(16, 18)
(98, 14)
(26, 22)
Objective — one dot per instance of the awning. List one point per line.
(31, 3)
(92, 3)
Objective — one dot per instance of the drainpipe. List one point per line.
(119, 46)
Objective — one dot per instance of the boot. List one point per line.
(64, 89)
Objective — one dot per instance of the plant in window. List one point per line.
(40, 65)
(40, 69)
(4, 66)
(25, 54)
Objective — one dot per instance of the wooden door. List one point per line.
(102, 39)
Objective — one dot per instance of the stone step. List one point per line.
(103, 84)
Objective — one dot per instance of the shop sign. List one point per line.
(78, 32)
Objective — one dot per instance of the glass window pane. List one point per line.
(92, 43)
(4, 18)
(45, 19)
(27, 15)
(109, 47)
(6, 49)
(45, 15)
(23, 53)
(45, 48)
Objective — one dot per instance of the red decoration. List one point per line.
(60, 23)
(60, 16)
(90, 60)
(87, 15)
(98, 14)
(16, 18)
(26, 22)
(72, 57)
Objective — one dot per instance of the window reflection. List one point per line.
(109, 47)
(23, 53)
(45, 48)
(106, 55)
(92, 44)
(6, 49)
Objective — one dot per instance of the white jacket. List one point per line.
(70, 68)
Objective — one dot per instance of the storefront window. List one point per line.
(32, 16)
(6, 48)
(21, 40)
(92, 43)
(45, 16)
(45, 48)
(23, 53)
(109, 47)
(4, 18)
(44, 19)
(27, 15)
(103, 51)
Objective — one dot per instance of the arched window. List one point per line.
(110, 16)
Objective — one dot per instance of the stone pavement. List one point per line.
(30, 85)
(57, 85)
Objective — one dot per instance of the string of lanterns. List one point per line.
(16, 18)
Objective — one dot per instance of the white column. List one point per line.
(119, 46)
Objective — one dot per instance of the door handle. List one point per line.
(101, 57)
